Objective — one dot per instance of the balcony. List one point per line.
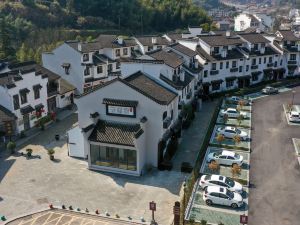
(254, 67)
(214, 72)
(232, 70)
(270, 64)
(167, 122)
(292, 62)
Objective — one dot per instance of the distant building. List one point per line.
(223, 25)
(260, 21)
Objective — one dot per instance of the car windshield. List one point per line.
(217, 153)
(237, 156)
(238, 131)
(229, 182)
(229, 194)
(207, 177)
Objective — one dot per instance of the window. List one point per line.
(165, 114)
(213, 66)
(293, 57)
(221, 65)
(36, 91)
(229, 83)
(118, 53)
(233, 64)
(254, 77)
(253, 62)
(275, 64)
(109, 69)
(99, 69)
(16, 102)
(270, 59)
(125, 51)
(241, 69)
(87, 71)
(23, 98)
(247, 68)
(205, 73)
(259, 61)
(86, 57)
(118, 65)
(114, 157)
(215, 86)
(280, 62)
(227, 65)
(172, 114)
(255, 47)
(265, 60)
(216, 50)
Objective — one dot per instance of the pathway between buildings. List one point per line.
(193, 137)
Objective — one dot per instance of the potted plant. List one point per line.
(11, 146)
(29, 152)
(51, 153)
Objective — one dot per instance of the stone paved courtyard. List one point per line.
(31, 184)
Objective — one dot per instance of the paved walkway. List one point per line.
(65, 217)
(193, 137)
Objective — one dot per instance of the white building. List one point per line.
(166, 67)
(23, 92)
(127, 130)
(85, 65)
(151, 43)
(244, 21)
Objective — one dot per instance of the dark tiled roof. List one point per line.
(103, 41)
(7, 111)
(65, 86)
(150, 88)
(26, 109)
(254, 38)
(174, 36)
(288, 35)
(120, 102)
(221, 40)
(184, 50)
(170, 58)
(179, 85)
(142, 61)
(147, 40)
(115, 133)
(268, 51)
(231, 54)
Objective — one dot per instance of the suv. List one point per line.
(225, 157)
(269, 90)
(294, 116)
(222, 196)
(221, 181)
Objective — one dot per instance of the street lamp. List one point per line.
(293, 92)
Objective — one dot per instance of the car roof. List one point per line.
(217, 177)
(229, 128)
(295, 113)
(229, 153)
(231, 109)
(211, 189)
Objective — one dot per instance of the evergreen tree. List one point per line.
(70, 6)
(22, 53)
(6, 49)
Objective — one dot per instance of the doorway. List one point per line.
(26, 122)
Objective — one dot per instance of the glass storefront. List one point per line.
(113, 157)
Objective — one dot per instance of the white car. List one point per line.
(230, 132)
(269, 90)
(222, 196)
(225, 157)
(221, 181)
(236, 100)
(232, 113)
(294, 116)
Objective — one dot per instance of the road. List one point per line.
(275, 172)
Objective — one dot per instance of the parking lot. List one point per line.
(275, 172)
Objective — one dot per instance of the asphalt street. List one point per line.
(275, 172)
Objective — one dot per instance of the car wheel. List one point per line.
(234, 205)
(208, 202)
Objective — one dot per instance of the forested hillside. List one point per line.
(33, 26)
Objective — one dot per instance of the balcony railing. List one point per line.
(254, 67)
(292, 62)
(214, 72)
(234, 69)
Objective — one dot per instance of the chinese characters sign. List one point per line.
(120, 110)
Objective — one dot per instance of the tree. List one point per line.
(11, 146)
(239, 119)
(22, 53)
(236, 170)
(225, 118)
(213, 166)
(6, 49)
(237, 139)
(70, 6)
(220, 138)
